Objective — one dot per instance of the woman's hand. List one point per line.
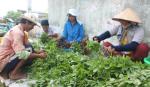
(41, 51)
(43, 55)
(110, 50)
(95, 38)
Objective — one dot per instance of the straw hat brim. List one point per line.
(117, 19)
(127, 15)
(29, 19)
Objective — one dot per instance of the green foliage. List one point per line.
(72, 69)
(44, 38)
(77, 48)
(13, 15)
(139, 78)
(94, 46)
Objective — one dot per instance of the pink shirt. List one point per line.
(12, 42)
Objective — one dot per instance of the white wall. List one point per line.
(95, 13)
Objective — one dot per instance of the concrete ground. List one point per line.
(16, 83)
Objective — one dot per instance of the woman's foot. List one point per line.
(4, 76)
(16, 76)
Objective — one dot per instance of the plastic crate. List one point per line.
(147, 60)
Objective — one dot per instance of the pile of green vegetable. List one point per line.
(75, 69)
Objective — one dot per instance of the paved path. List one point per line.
(15, 83)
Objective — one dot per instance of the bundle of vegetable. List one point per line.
(72, 69)
(44, 38)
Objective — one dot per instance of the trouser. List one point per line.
(139, 54)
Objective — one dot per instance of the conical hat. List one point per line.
(129, 15)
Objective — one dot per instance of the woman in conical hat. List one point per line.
(127, 15)
(130, 36)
